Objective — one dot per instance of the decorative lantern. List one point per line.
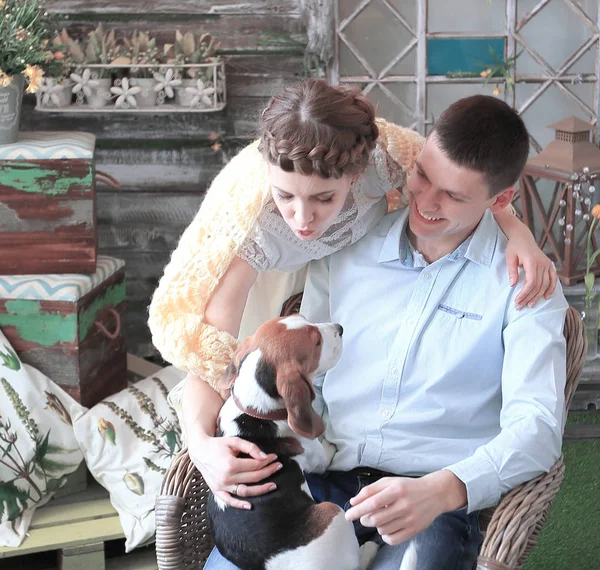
(572, 162)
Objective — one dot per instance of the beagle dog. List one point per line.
(270, 404)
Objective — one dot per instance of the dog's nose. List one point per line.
(340, 329)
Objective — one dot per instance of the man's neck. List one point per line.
(434, 249)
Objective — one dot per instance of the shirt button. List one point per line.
(394, 371)
(385, 413)
(409, 322)
(428, 276)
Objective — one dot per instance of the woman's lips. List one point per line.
(305, 233)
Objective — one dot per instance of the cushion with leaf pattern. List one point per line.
(128, 441)
(38, 448)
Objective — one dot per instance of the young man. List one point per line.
(446, 396)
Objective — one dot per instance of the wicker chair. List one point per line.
(183, 539)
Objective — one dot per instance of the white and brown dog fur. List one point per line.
(270, 379)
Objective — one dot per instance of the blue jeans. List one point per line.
(452, 542)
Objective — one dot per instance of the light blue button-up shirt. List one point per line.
(439, 370)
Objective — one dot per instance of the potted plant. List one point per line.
(56, 88)
(25, 32)
(190, 48)
(94, 83)
(140, 49)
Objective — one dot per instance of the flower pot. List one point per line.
(60, 96)
(100, 93)
(183, 97)
(11, 98)
(147, 97)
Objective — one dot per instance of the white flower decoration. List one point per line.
(167, 82)
(84, 82)
(125, 93)
(201, 94)
(49, 91)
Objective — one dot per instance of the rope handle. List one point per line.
(117, 331)
(107, 179)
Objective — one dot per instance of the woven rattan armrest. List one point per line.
(518, 519)
(183, 538)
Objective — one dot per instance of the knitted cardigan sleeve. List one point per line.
(207, 247)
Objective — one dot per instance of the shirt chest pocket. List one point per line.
(456, 311)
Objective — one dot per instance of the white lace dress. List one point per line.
(273, 245)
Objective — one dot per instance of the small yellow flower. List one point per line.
(21, 34)
(5, 80)
(34, 76)
(486, 73)
(596, 211)
(2, 4)
(496, 91)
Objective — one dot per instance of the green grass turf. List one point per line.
(570, 539)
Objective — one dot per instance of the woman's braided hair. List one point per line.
(312, 127)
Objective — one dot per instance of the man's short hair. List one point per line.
(486, 135)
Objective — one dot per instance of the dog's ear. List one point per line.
(297, 392)
(226, 381)
(231, 372)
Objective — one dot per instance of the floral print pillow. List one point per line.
(38, 448)
(128, 441)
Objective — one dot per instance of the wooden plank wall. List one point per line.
(165, 163)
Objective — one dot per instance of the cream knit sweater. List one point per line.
(207, 247)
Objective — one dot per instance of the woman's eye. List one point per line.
(453, 198)
(325, 200)
(319, 342)
(284, 197)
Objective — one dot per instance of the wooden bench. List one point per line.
(77, 528)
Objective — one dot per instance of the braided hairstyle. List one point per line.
(312, 127)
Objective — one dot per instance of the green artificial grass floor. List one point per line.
(570, 539)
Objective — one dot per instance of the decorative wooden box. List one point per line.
(47, 204)
(69, 327)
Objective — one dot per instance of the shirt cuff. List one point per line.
(480, 479)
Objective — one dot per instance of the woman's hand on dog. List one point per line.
(224, 472)
(401, 507)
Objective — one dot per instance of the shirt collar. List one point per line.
(479, 247)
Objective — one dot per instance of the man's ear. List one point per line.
(502, 200)
(297, 392)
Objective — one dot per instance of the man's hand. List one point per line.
(401, 507)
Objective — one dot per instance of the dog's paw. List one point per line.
(329, 449)
(368, 551)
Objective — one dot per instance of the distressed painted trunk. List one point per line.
(68, 326)
(47, 204)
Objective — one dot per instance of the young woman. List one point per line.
(315, 182)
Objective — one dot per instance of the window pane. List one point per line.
(466, 16)
(463, 55)
(378, 34)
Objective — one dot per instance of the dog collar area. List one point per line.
(275, 415)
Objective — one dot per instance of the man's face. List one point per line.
(446, 201)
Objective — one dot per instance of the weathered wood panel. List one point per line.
(239, 119)
(165, 163)
(277, 34)
(285, 7)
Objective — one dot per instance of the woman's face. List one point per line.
(308, 203)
